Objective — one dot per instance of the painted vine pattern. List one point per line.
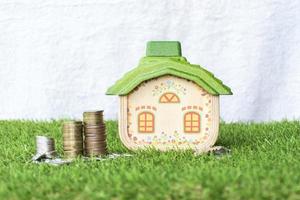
(168, 85)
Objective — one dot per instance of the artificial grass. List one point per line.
(264, 164)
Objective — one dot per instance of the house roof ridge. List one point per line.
(151, 67)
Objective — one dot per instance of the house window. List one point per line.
(146, 122)
(169, 97)
(191, 122)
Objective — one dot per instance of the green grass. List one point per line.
(264, 164)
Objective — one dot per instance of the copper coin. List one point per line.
(73, 146)
(94, 142)
(93, 122)
(97, 127)
(91, 126)
(94, 132)
(92, 116)
(73, 149)
(95, 147)
(99, 135)
(72, 131)
(72, 142)
(78, 151)
(94, 129)
(97, 117)
(73, 152)
(90, 133)
(92, 112)
(95, 137)
(92, 145)
(72, 138)
(91, 142)
(67, 126)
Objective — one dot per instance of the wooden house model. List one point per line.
(168, 103)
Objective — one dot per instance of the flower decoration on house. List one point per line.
(168, 85)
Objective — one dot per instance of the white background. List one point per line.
(58, 57)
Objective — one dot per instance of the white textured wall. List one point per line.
(57, 57)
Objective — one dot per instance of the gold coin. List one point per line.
(94, 136)
(91, 147)
(73, 138)
(73, 145)
(91, 126)
(66, 142)
(94, 142)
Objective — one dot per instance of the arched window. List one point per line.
(146, 122)
(169, 97)
(191, 122)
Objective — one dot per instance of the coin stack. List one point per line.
(94, 133)
(45, 145)
(73, 142)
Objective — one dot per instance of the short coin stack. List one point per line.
(45, 145)
(73, 142)
(94, 133)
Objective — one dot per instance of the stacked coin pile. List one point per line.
(73, 141)
(94, 134)
(45, 145)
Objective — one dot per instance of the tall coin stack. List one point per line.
(73, 141)
(94, 134)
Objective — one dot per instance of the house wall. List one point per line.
(169, 129)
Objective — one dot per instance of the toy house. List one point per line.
(168, 103)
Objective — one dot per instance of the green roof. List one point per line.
(163, 48)
(155, 66)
